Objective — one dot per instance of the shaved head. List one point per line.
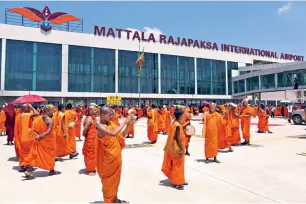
(106, 110)
(47, 108)
(212, 107)
(24, 108)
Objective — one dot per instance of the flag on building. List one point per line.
(140, 61)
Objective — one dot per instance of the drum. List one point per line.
(72, 124)
(190, 130)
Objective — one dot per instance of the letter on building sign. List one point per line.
(98, 31)
(170, 40)
(136, 35)
(110, 33)
(128, 32)
(162, 39)
(119, 32)
(151, 37)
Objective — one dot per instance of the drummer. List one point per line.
(185, 122)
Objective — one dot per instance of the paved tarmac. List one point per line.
(267, 171)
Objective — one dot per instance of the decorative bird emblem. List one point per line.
(46, 18)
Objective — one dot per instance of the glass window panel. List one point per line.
(268, 81)
(284, 79)
(177, 76)
(128, 72)
(91, 69)
(231, 66)
(253, 83)
(33, 66)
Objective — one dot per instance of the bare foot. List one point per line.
(91, 173)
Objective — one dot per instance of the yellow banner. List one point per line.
(113, 100)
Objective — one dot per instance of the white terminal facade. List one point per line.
(61, 66)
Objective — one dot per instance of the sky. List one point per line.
(274, 26)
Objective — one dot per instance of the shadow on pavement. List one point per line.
(14, 159)
(96, 202)
(83, 171)
(166, 183)
(205, 161)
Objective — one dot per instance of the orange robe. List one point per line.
(186, 118)
(78, 125)
(286, 114)
(115, 119)
(168, 122)
(152, 125)
(124, 112)
(172, 109)
(62, 148)
(263, 121)
(109, 163)
(2, 121)
(160, 121)
(90, 147)
(223, 141)
(233, 123)
(26, 139)
(70, 115)
(164, 116)
(174, 165)
(43, 152)
(212, 129)
(246, 123)
(132, 127)
(17, 134)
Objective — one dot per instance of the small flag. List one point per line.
(140, 61)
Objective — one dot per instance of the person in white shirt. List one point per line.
(290, 109)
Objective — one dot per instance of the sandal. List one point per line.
(179, 187)
(53, 172)
(28, 176)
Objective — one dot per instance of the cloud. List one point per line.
(147, 30)
(284, 8)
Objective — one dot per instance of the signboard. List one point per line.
(45, 18)
(113, 100)
(192, 43)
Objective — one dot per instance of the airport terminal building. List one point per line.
(60, 63)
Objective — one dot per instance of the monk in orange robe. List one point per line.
(59, 129)
(164, 115)
(43, 150)
(124, 111)
(185, 122)
(26, 136)
(70, 115)
(152, 124)
(174, 157)
(79, 117)
(172, 109)
(224, 132)
(109, 157)
(211, 129)
(245, 115)
(131, 131)
(91, 141)
(160, 120)
(17, 132)
(167, 118)
(2, 122)
(115, 118)
(263, 120)
(233, 124)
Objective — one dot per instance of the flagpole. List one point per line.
(139, 82)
